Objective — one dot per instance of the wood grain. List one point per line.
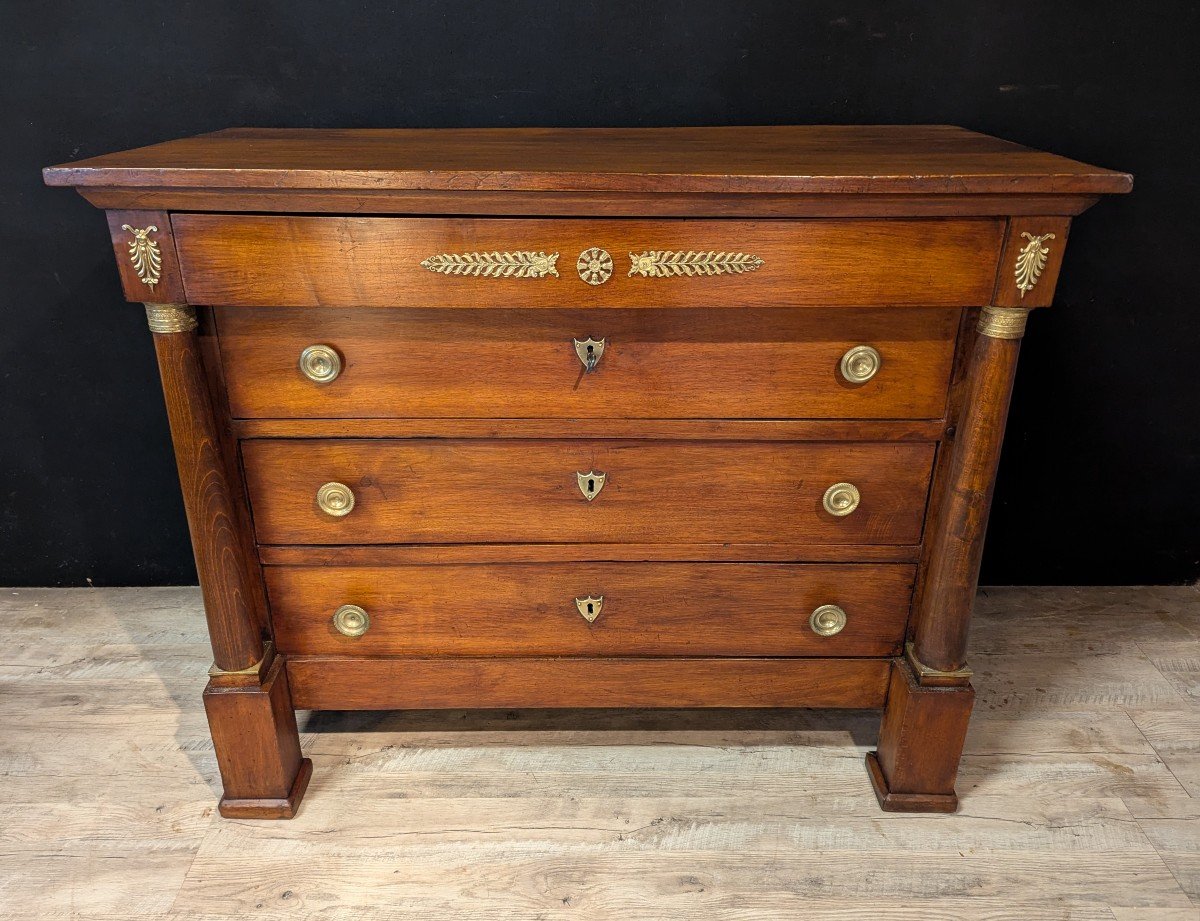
(232, 602)
(169, 288)
(294, 261)
(838, 159)
(507, 364)
(1042, 294)
(661, 609)
(955, 538)
(526, 492)
(586, 204)
(669, 429)
(210, 352)
(439, 554)
(343, 683)
(257, 745)
(920, 744)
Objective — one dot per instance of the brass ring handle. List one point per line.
(320, 363)
(827, 620)
(860, 364)
(351, 620)
(841, 499)
(335, 499)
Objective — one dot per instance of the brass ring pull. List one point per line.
(827, 620)
(320, 364)
(335, 499)
(841, 499)
(351, 620)
(860, 364)
(590, 351)
(589, 608)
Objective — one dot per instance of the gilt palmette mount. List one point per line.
(1031, 261)
(144, 254)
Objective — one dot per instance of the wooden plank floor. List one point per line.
(1080, 788)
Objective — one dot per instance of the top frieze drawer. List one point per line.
(295, 261)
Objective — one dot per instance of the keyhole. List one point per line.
(591, 486)
(591, 608)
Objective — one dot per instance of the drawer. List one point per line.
(476, 491)
(667, 364)
(291, 261)
(653, 609)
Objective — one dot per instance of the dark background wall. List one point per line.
(1099, 478)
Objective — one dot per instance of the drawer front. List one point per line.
(282, 261)
(668, 364)
(469, 491)
(667, 609)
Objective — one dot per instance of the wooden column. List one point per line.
(1027, 275)
(225, 580)
(956, 533)
(247, 699)
(929, 694)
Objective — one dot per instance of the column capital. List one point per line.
(170, 318)
(1003, 322)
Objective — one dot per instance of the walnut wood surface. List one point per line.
(210, 353)
(521, 363)
(169, 287)
(670, 429)
(955, 538)
(231, 594)
(585, 204)
(293, 261)
(526, 492)
(920, 743)
(441, 554)
(1042, 295)
(343, 683)
(654, 609)
(257, 746)
(939, 482)
(839, 159)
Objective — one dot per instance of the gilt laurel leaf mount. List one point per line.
(665, 263)
(519, 264)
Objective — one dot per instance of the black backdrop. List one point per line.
(1099, 476)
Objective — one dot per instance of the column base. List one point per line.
(920, 743)
(906, 802)
(270, 808)
(256, 742)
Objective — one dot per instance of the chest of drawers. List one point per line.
(590, 418)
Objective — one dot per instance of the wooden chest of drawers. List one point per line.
(593, 418)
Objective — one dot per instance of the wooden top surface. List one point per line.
(923, 159)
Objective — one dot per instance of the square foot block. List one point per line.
(906, 802)
(270, 808)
